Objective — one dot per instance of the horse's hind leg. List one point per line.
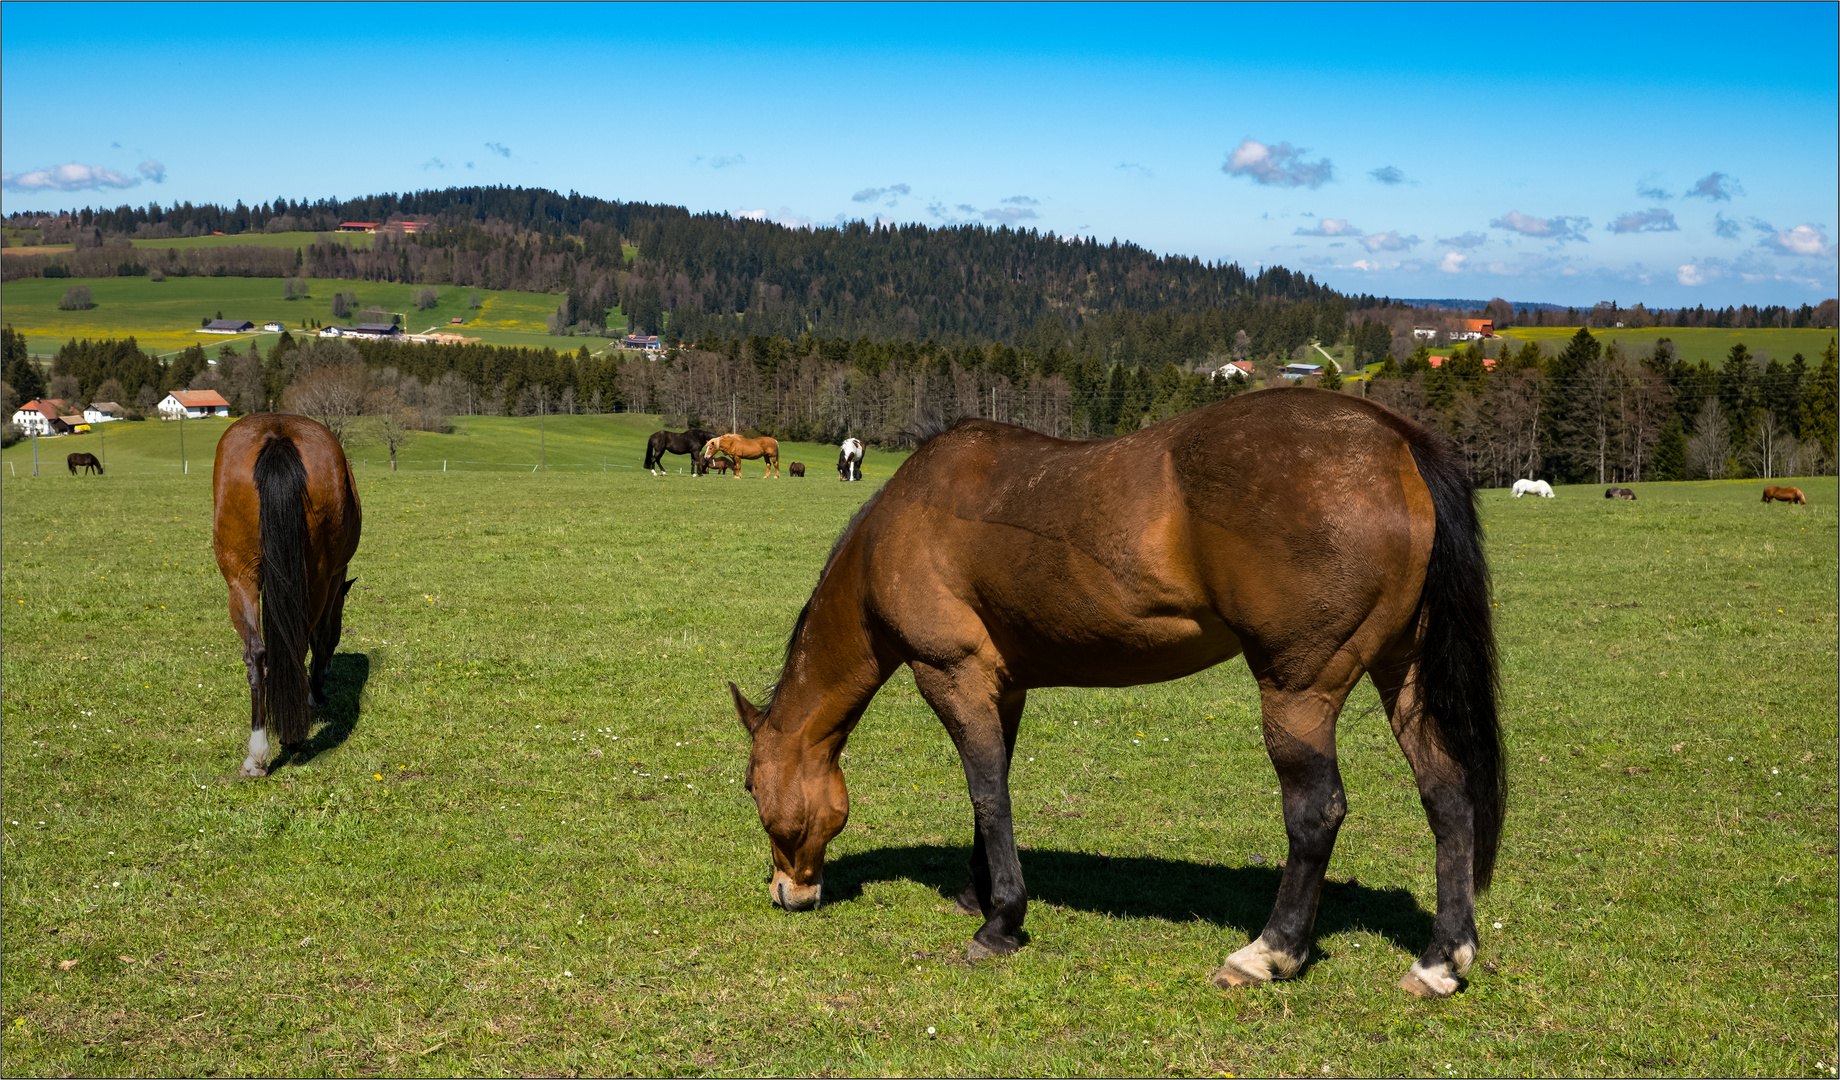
(1451, 814)
(325, 642)
(967, 702)
(246, 617)
(1300, 737)
(974, 899)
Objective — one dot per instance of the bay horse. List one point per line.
(849, 462)
(285, 525)
(1321, 536)
(86, 462)
(741, 448)
(1620, 493)
(797, 468)
(719, 464)
(1785, 494)
(676, 442)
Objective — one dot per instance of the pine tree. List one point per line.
(20, 372)
(1820, 403)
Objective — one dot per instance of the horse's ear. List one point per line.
(751, 718)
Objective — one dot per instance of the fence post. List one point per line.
(443, 464)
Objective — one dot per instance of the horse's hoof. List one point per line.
(252, 771)
(1427, 985)
(979, 949)
(1230, 977)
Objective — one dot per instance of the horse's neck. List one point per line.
(832, 669)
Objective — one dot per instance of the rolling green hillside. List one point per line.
(1694, 344)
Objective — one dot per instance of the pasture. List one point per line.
(519, 842)
(164, 316)
(1694, 343)
(255, 239)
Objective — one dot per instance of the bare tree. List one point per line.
(76, 298)
(64, 388)
(426, 297)
(1772, 450)
(1710, 444)
(334, 396)
(110, 390)
(390, 423)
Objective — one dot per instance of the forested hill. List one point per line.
(713, 272)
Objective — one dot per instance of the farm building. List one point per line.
(1480, 328)
(101, 412)
(228, 326)
(405, 226)
(358, 226)
(274, 327)
(74, 423)
(1488, 362)
(1302, 371)
(641, 341)
(1424, 333)
(1233, 369)
(41, 416)
(196, 404)
(382, 331)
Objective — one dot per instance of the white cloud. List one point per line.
(753, 215)
(1557, 229)
(1453, 262)
(1330, 227)
(1693, 275)
(152, 170)
(1467, 241)
(1649, 187)
(1022, 200)
(1801, 240)
(1652, 220)
(1389, 241)
(71, 177)
(873, 193)
(1281, 165)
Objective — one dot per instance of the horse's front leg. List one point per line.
(1300, 737)
(975, 899)
(1452, 816)
(967, 700)
(245, 616)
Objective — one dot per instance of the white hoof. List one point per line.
(1429, 983)
(1256, 963)
(250, 768)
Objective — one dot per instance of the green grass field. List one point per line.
(521, 844)
(1693, 344)
(165, 315)
(278, 240)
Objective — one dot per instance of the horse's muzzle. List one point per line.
(792, 896)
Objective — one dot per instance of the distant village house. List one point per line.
(42, 416)
(228, 326)
(101, 412)
(194, 404)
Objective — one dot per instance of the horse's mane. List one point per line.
(926, 430)
(798, 625)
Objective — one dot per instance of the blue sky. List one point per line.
(1667, 154)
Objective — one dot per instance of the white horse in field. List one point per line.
(1533, 487)
(849, 463)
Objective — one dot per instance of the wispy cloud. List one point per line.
(433, 163)
(1453, 262)
(1557, 229)
(152, 170)
(1651, 220)
(725, 161)
(870, 194)
(1726, 227)
(1389, 241)
(1009, 215)
(753, 215)
(1649, 187)
(70, 177)
(1132, 166)
(1021, 200)
(1390, 175)
(1716, 187)
(1694, 274)
(499, 149)
(1467, 241)
(1280, 165)
(1329, 227)
(1801, 240)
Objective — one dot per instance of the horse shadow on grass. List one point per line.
(1140, 887)
(345, 679)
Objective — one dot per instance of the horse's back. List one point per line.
(1179, 538)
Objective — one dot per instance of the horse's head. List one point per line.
(713, 445)
(802, 800)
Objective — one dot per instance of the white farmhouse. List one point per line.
(194, 404)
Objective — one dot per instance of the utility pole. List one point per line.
(35, 451)
(184, 466)
(542, 439)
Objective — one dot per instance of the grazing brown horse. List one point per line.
(717, 464)
(1321, 536)
(1620, 493)
(1785, 494)
(285, 527)
(86, 462)
(797, 468)
(740, 448)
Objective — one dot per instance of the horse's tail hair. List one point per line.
(281, 489)
(1458, 667)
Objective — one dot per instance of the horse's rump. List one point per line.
(281, 487)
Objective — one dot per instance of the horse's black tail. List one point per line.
(281, 489)
(1458, 668)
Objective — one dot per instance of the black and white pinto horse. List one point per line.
(849, 462)
(676, 442)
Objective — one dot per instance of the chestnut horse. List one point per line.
(739, 448)
(1321, 536)
(285, 526)
(1785, 494)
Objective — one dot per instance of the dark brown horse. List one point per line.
(1321, 536)
(86, 462)
(676, 442)
(1620, 493)
(797, 468)
(716, 464)
(1785, 494)
(285, 527)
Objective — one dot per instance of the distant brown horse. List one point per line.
(1321, 536)
(797, 468)
(740, 448)
(1620, 493)
(1785, 494)
(285, 527)
(86, 462)
(717, 464)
